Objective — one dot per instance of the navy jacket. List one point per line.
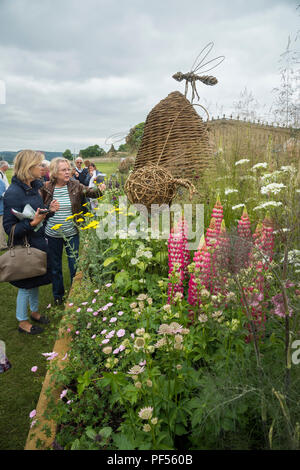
(16, 197)
(83, 177)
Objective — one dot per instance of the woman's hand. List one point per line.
(37, 218)
(54, 206)
(102, 187)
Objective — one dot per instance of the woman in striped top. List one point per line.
(69, 194)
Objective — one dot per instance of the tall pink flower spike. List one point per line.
(264, 241)
(199, 257)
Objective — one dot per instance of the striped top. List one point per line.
(68, 228)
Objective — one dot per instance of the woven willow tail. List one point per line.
(175, 138)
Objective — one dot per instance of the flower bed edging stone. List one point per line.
(61, 346)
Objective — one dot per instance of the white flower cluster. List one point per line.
(293, 258)
(273, 188)
(273, 175)
(230, 191)
(289, 168)
(243, 160)
(268, 204)
(238, 206)
(260, 165)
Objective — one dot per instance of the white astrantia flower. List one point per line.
(134, 261)
(238, 206)
(230, 191)
(243, 160)
(260, 165)
(268, 204)
(273, 188)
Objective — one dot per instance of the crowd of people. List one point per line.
(61, 189)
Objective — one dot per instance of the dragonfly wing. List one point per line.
(202, 56)
(211, 64)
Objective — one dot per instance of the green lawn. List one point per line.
(19, 387)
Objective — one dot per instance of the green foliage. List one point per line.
(134, 138)
(67, 154)
(93, 151)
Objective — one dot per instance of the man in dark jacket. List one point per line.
(81, 173)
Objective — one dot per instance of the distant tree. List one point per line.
(286, 106)
(124, 148)
(91, 152)
(134, 138)
(67, 154)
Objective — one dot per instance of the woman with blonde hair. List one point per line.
(25, 189)
(61, 230)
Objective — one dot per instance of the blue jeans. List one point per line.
(55, 246)
(24, 297)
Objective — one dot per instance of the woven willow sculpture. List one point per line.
(175, 144)
(176, 138)
(153, 184)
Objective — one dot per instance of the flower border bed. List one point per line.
(61, 346)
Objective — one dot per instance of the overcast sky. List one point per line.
(77, 72)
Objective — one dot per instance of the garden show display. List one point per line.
(184, 349)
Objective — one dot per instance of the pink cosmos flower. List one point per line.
(95, 314)
(78, 310)
(68, 330)
(48, 306)
(84, 303)
(109, 303)
(34, 369)
(120, 313)
(94, 336)
(116, 351)
(77, 332)
(108, 285)
(33, 423)
(120, 333)
(103, 332)
(105, 307)
(89, 309)
(69, 401)
(113, 320)
(50, 356)
(71, 304)
(65, 357)
(96, 291)
(122, 347)
(105, 341)
(63, 393)
(110, 334)
(132, 335)
(104, 318)
(143, 363)
(94, 300)
(32, 414)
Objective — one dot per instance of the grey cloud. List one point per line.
(77, 71)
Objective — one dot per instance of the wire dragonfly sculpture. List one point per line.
(191, 77)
